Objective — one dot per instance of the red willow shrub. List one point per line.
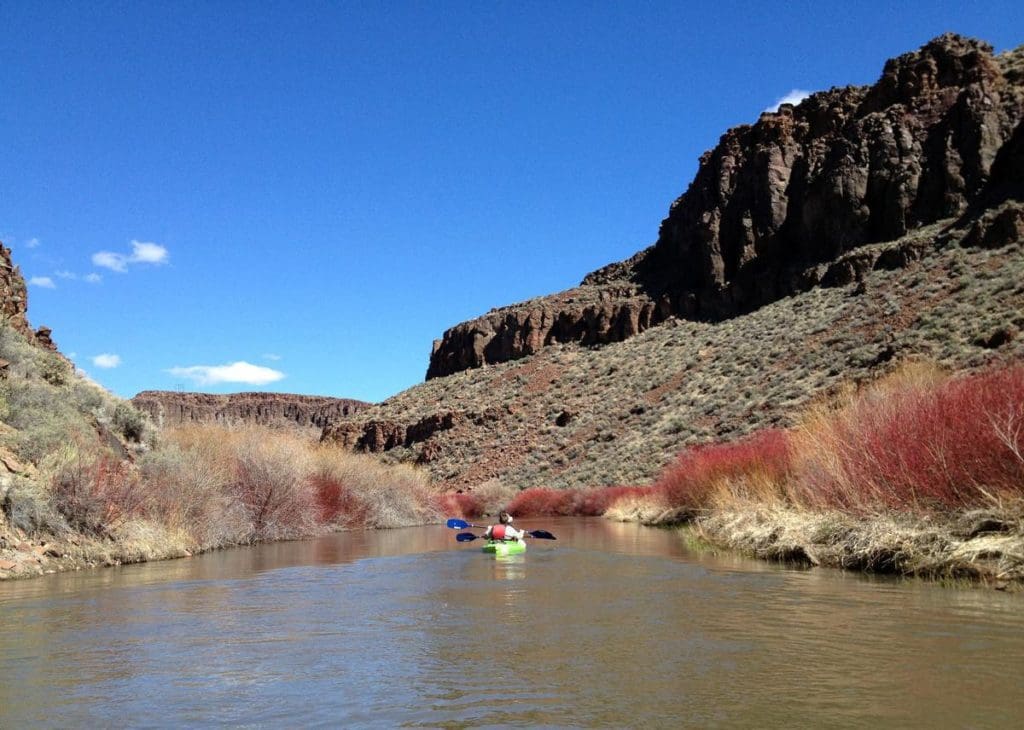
(953, 444)
(757, 464)
(460, 504)
(95, 495)
(336, 503)
(543, 501)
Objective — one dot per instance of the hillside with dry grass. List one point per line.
(576, 416)
(820, 247)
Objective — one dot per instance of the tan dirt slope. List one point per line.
(572, 415)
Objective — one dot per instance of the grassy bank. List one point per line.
(86, 480)
(919, 473)
(197, 489)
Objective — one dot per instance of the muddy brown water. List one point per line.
(610, 626)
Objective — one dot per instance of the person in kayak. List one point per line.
(504, 530)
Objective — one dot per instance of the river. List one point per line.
(612, 625)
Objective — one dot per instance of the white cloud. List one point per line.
(65, 274)
(271, 356)
(106, 360)
(93, 278)
(148, 253)
(110, 260)
(32, 243)
(795, 96)
(143, 252)
(236, 372)
(44, 281)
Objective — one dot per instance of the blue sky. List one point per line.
(300, 197)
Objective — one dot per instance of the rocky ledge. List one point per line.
(169, 408)
(14, 302)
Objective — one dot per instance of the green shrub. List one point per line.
(27, 507)
(54, 369)
(130, 421)
(44, 418)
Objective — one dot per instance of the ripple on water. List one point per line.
(611, 626)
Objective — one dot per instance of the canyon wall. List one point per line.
(781, 206)
(171, 408)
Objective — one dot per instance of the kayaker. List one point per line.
(504, 530)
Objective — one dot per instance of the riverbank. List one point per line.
(29, 556)
(984, 547)
(194, 490)
(919, 473)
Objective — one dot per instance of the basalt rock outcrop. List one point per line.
(375, 436)
(781, 206)
(14, 302)
(170, 408)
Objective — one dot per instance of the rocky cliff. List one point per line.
(781, 206)
(169, 408)
(14, 302)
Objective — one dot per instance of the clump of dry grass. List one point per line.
(898, 543)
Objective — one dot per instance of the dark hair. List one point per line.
(504, 517)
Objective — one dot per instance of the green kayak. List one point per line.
(505, 547)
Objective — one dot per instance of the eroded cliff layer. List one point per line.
(171, 408)
(777, 207)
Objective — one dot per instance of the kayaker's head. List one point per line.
(504, 517)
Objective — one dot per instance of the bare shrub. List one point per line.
(371, 493)
(271, 483)
(494, 494)
(544, 501)
(755, 468)
(94, 491)
(186, 489)
(459, 504)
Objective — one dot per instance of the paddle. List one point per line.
(460, 524)
(456, 524)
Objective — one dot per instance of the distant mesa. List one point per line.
(173, 408)
(781, 206)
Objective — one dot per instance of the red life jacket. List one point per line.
(497, 532)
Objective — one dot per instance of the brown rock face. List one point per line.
(170, 408)
(777, 205)
(846, 167)
(13, 294)
(14, 303)
(589, 315)
(377, 435)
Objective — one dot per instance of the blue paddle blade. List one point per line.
(465, 536)
(457, 524)
(541, 535)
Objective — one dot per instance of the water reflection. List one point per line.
(611, 625)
